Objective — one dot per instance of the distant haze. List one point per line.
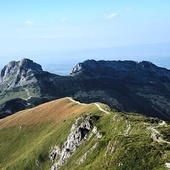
(77, 30)
(61, 62)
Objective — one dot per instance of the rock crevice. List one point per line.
(79, 131)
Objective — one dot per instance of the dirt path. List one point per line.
(28, 93)
(74, 101)
(101, 109)
(98, 106)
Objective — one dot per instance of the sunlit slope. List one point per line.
(29, 134)
(116, 141)
(53, 111)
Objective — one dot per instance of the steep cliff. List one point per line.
(19, 73)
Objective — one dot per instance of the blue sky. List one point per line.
(48, 25)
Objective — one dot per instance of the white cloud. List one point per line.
(111, 16)
(29, 22)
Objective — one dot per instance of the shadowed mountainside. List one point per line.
(124, 85)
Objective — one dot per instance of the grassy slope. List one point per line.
(19, 93)
(28, 135)
(26, 138)
(119, 150)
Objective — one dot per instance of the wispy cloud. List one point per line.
(29, 22)
(112, 15)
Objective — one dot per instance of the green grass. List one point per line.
(23, 148)
(134, 151)
(19, 93)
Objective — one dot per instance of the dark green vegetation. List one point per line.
(126, 144)
(124, 85)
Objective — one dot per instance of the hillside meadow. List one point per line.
(27, 137)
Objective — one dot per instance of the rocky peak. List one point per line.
(14, 66)
(88, 64)
(117, 65)
(29, 64)
(121, 69)
(77, 68)
(19, 73)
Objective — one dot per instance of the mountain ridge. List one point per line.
(126, 66)
(66, 134)
(127, 86)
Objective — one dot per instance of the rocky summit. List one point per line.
(18, 83)
(20, 73)
(128, 86)
(144, 71)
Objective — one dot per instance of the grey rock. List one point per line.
(144, 69)
(94, 130)
(76, 137)
(19, 73)
(99, 135)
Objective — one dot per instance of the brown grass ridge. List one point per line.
(53, 111)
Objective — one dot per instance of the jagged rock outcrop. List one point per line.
(19, 73)
(77, 68)
(79, 132)
(143, 71)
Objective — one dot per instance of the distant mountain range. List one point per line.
(70, 134)
(128, 86)
(61, 62)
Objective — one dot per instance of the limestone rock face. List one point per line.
(78, 134)
(143, 71)
(77, 68)
(19, 73)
